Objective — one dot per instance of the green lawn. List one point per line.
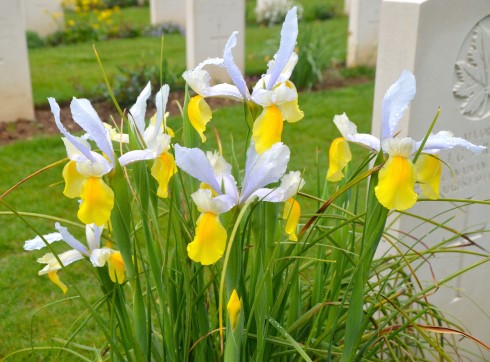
(22, 292)
(72, 70)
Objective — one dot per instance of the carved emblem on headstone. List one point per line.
(472, 87)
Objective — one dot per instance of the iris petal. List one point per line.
(429, 170)
(209, 243)
(339, 156)
(73, 180)
(199, 114)
(162, 170)
(233, 307)
(267, 129)
(97, 202)
(292, 212)
(117, 270)
(395, 189)
(55, 278)
(291, 112)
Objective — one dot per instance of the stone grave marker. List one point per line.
(209, 25)
(15, 80)
(43, 17)
(167, 11)
(446, 44)
(362, 42)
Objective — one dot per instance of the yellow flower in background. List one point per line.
(234, 307)
(83, 173)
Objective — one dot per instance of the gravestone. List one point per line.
(209, 25)
(167, 11)
(15, 80)
(362, 42)
(446, 44)
(43, 17)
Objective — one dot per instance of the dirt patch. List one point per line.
(44, 123)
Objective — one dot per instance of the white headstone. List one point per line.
(167, 11)
(446, 44)
(209, 25)
(362, 42)
(15, 79)
(43, 16)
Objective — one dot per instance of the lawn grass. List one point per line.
(22, 292)
(72, 70)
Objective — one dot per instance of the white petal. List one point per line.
(72, 151)
(283, 94)
(138, 110)
(93, 233)
(395, 102)
(98, 168)
(291, 183)
(398, 146)
(195, 163)
(261, 170)
(38, 243)
(232, 69)
(70, 239)
(75, 141)
(289, 33)
(99, 257)
(348, 130)
(135, 156)
(52, 264)
(205, 202)
(262, 97)
(444, 140)
(115, 136)
(86, 117)
(161, 102)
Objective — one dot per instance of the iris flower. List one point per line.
(99, 256)
(83, 173)
(397, 178)
(219, 193)
(155, 136)
(274, 91)
(199, 80)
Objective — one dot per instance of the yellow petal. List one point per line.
(292, 212)
(267, 129)
(117, 270)
(169, 131)
(73, 180)
(395, 189)
(429, 168)
(209, 243)
(339, 156)
(97, 202)
(162, 170)
(291, 112)
(199, 114)
(55, 278)
(234, 305)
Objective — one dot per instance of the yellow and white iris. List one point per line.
(84, 172)
(99, 256)
(156, 137)
(398, 176)
(219, 193)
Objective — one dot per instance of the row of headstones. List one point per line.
(209, 24)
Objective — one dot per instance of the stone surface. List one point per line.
(43, 16)
(362, 42)
(446, 44)
(15, 80)
(347, 7)
(167, 11)
(209, 25)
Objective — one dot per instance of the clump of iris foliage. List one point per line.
(205, 258)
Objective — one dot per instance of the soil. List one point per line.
(44, 122)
